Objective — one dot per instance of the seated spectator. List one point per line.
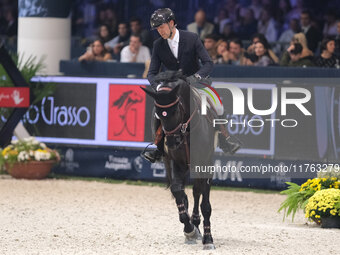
(10, 29)
(221, 19)
(330, 26)
(267, 26)
(284, 7)
(137, 29)
(262, 55)
(337, 40)
(288, 34)
(327, 57)
(296, 58)
(251, 49)
(135, 52)
(104, 33)
(248, 25)
(201, 26)
(313, 36)
(222, 52)
(236, 52)
(228, 31)
(120, 41)
(256, 6)
(96, 52)
(210, 45)
(301, 38)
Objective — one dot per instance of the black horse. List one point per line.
(189, 142)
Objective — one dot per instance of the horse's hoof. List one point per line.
(190, 238)
(209, 246)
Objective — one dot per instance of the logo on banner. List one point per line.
(14, 97)
(69, 162)
(69, 113)
(126, 113)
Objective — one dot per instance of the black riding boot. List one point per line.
(226, 145)
(155, 155)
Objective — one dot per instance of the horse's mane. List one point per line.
(170, 78)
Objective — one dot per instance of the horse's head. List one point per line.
(166, 102)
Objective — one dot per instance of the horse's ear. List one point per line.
(149, 92)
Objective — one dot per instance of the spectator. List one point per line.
(296, 58)
(120, 41)
(288, 34)
(135, 52)
(236, 52)
(97, 52)
(137, 29)
(282, 13)
(11, 27)
(221, 19)
(262, 55)
(248, 25)
(210, 45)
(201, 26)
(327, 57)
(256, 6)
(266, 26)
(251, 49)
(296, 10)
(337, 40)
(330, 26)
(311, 33)
(222, 51)
(228, 32)
(104, 33)
(301, 38)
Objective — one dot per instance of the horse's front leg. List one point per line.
(208, 243)
(195, 216)
(177, 190)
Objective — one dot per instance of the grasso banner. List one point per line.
(69, 113)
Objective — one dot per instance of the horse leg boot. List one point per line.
(208, 242)
(190, 231)
(224, 141)
(157, 154)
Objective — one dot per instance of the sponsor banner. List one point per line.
(69, 113)
(100, 162)
(126, 120)
(14, 97)
(127, 164)
(256, 132)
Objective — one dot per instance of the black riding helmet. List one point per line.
(161, 16)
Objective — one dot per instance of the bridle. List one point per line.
(182, 126)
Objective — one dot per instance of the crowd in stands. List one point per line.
(243, 32)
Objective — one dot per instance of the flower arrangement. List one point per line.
(298, 196)
(29, 149)
(324, 203)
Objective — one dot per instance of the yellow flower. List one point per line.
(317, 216)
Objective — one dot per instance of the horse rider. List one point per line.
(179, 50)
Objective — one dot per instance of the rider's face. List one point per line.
(164, 29)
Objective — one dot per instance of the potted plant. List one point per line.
(297, 196)
(324, 207)
(28, 159)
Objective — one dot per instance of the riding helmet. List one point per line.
(161, 16)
